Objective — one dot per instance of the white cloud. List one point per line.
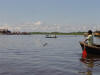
(5, 27)
(39, 26)
(38, 23)
(16, 29)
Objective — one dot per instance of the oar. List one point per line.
(84, 54)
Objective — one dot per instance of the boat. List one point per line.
(95, 49)
(97, 33)
(51, 36)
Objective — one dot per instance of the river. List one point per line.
(37, 55)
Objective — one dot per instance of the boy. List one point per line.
(89, 39)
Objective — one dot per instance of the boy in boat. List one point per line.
(89, 39)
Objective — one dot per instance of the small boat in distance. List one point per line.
(95, 49)
(51, 36)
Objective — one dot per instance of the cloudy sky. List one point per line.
(50, 15)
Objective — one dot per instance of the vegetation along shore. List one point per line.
(59, 33)
(8, 32)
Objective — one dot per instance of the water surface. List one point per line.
(37, 55)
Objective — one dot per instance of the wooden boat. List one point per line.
(51, 36)
(97, 33)
(95, 49)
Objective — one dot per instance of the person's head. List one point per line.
(89, 32)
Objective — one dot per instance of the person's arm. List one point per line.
(86, 39)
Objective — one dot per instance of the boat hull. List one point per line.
(95, 49)
(51, 37)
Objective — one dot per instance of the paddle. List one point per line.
(84, 54)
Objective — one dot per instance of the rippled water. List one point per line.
(37, 55)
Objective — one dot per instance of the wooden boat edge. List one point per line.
(94, 46)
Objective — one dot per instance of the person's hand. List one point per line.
(84, 41)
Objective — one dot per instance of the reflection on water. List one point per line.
(90, 63)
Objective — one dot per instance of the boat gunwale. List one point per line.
(94, 46)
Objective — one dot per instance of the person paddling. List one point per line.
(89, 39)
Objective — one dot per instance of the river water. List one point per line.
(37, 55)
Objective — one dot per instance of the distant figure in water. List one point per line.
(89, 39)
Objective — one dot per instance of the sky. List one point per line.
(50, 15)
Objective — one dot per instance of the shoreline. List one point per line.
(58, 33)
(45, 33)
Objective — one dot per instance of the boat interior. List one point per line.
(95, 45)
